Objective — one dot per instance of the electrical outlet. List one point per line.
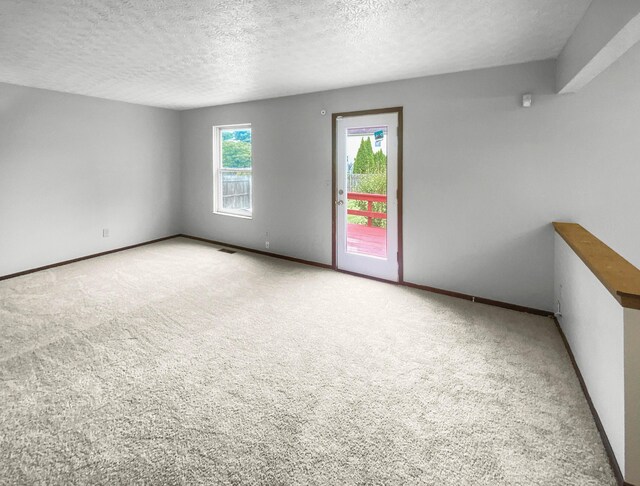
(266, 244)
(266, 240)
(105, 233)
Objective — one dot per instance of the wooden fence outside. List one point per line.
(236, 192)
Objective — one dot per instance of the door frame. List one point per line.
(334, 180)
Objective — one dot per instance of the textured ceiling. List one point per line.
(192, 53)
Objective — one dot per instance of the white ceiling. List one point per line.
(192, 53)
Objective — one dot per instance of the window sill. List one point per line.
(233, 215)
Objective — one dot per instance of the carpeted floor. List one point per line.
(174, 363)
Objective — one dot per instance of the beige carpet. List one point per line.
(177, 364)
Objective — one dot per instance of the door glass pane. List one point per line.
(367, 191)
(236, 190)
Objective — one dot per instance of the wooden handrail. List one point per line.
(619, 276)
(363, 196)
(367, 214)
(370, 214)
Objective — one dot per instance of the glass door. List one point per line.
(366, 203)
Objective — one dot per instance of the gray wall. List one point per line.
(483, 180)
(483, 177)
(72, 165)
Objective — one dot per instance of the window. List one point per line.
(233, 193)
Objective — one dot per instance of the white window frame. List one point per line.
(218, 170)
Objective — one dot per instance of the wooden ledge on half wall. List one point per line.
(619, 276)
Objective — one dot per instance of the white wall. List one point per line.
(593, 323)
(72, 165)
(632, 395)
(484, 178)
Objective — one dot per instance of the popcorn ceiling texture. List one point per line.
(186, 54)
(175, 363)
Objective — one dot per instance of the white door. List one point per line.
(366, 195)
